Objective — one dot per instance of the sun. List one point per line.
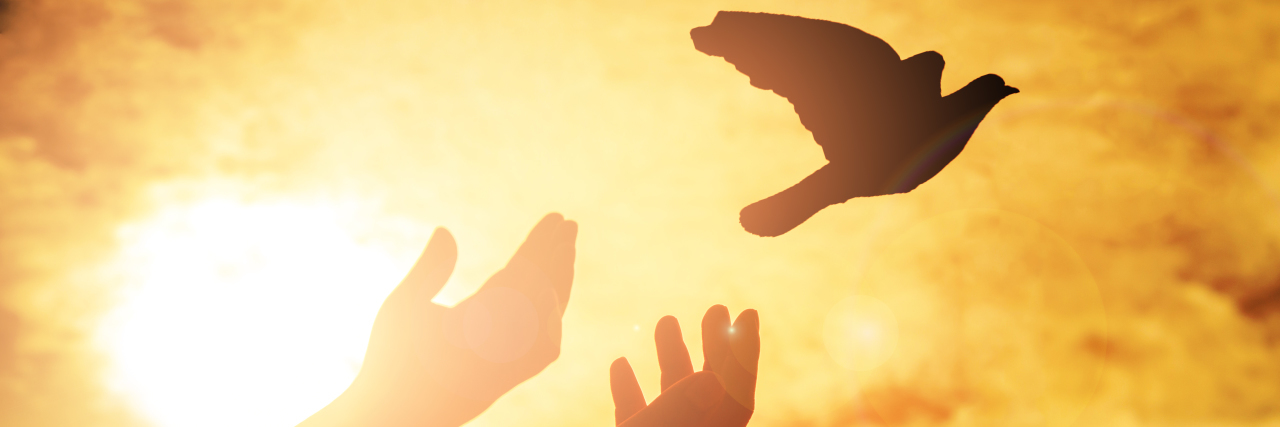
(245, 314)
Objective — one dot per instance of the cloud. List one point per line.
(1143, 138)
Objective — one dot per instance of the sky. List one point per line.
(203, 204)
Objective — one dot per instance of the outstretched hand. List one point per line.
(429, 365)
(721, 395)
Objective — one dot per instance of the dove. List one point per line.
(882, 122)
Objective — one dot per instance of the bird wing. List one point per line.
(831, 72)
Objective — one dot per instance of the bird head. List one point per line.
(717, 38)
(983, 91)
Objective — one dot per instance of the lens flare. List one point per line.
(861, 333)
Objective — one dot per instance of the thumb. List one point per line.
(627, 397)
(433, 268)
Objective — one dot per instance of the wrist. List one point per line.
(368, 402)
(363, 404)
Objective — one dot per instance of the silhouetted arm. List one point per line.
(721, 395)
(429, 365)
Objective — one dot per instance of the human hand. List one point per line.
(721, 395)
(429, 365)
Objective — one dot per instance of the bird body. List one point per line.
(882, 121)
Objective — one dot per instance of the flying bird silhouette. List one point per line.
(882, 121)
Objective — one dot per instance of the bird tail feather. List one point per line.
(782, 212)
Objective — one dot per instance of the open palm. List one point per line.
(721, 395)
(429, 365)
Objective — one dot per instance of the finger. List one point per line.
(744, 340)
(628, 399)
(685, 404)
(549, 314)
(715, 337)
(744, 344)
(536, 246)
(560, 267)
(526, 271)
(673, 356)
(433, 267)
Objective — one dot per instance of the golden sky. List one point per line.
(203, 203)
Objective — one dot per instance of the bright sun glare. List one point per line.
(243, 314)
